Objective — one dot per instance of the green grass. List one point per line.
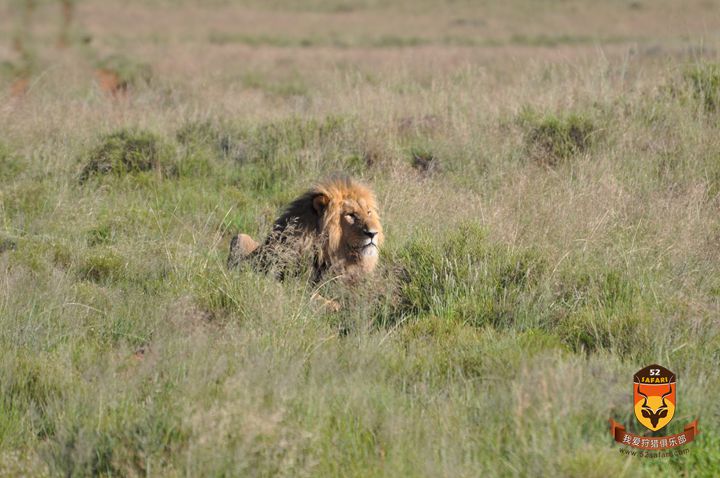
(128, 152)
(551, 139)
(551, 228)
(704, 83)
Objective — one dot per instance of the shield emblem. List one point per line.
(654, 396)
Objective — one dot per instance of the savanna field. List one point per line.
(548, 174)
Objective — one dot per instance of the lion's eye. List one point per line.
(350, 217)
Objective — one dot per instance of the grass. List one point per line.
(130, 73)
(551, 223)
(551, 139)
(705, 83)
(128, 152)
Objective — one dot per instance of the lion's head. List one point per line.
(337, 221)
(349, 222)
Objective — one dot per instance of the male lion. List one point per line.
(334, 227)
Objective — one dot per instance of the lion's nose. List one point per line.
(370, 233)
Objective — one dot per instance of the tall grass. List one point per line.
(551, 228)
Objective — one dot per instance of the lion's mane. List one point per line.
(311, 231)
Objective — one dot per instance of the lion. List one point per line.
(334, 228)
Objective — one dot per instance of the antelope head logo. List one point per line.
(658, 413)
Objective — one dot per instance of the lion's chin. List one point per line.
(369, 251)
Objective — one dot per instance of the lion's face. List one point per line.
(361, 228)
(352, 224)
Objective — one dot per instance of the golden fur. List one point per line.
(335, 226)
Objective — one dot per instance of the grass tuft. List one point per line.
(129, 151)
(7, 244)
(465, 278)
(704, 81)
(11, 165)
(424, 161)
(101, 265)
(552, 139)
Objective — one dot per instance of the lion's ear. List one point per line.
(320, 202)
